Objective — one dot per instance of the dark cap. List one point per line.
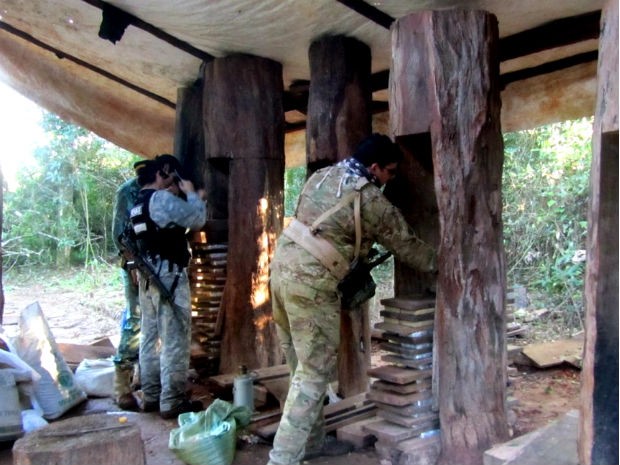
(173, 163)
(139, 164)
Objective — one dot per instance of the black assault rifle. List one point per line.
(358, 286)
(144, 267)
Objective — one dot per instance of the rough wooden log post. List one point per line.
(454, 68)
(598, 429)
(188, 134)
(339, 118)
(468, 157)
(244, 122)
(204, 170)
(413, 192)
(339, 100)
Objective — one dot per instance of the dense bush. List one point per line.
(61, 212)
(545, 190)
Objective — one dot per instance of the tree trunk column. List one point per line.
(446, 64)
(188, 135)
(339, 118)
(598, 429)
(339, 100)
(244, 123)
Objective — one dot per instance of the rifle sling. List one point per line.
(319, 247)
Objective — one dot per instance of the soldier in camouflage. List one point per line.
(305, 301)
(160, 220)
(126, 356)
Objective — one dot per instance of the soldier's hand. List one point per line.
(186, 186)
(134, 276)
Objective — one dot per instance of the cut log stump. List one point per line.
(91, 439)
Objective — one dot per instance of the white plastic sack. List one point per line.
(56, 391)
(24, 375)
(96, 377)
(32, 420)
(21, 371)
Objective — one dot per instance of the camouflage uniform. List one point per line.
(127, 352)
(165, 342)
(306, 306)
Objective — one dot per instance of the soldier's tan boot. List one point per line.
(122, 389)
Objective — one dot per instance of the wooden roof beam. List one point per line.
(370, 12)
(65, 56)
(548, 67)
(553, 34)
(137, 22)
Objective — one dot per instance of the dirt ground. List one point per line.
(539, 396)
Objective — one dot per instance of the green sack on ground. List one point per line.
(209, 437)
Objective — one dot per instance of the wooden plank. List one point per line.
(417, 364)
(358, 416)
(278, 387)
(409, 341)
(276, 371)
(398, 375)
(404, 351)
(349, 403)
(407, 316)
(417, 408)
(405, 303)
(260, 419)
(75, 353)
(403, 330)
(355, 434)
(369, 407)
(547, 354)
(336, 415)
(397, 399)
(420, 385)
(104, 342)
(388, 432)
(410, 324)
(427, 421)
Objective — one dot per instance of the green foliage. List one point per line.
(294, 179)
(62, 210)
(545, 189)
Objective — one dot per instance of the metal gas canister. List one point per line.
(243, 388)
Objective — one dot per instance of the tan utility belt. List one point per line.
(319, 247)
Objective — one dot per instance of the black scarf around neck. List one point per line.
(356, 168)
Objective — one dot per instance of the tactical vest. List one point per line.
(155, 242)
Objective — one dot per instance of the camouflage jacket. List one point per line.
(381, 223)
(126, 196)
(167, 210)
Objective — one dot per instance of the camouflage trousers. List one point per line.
(129, 344)
(165, 340)
(308, 325)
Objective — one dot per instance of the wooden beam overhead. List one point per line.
(547, 68)
(137, 22)
(557, 33)
(369, 11)
(553, 34)
(65, 56)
